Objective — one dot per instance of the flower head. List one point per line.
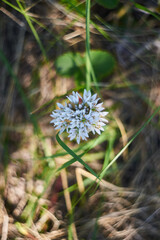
(80, 116)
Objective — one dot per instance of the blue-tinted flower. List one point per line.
(80, 116)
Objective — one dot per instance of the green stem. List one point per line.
(88, 69)
(90, 74)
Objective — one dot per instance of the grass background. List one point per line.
(47, 49)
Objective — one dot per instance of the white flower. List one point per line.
(80, 116)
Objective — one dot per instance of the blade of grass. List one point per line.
(75, 156)
(68, 163)
(141, 7)
(100, 30)
(103, 173)
(11, 5)
(32, 29)
(86, 148)
(28, 19)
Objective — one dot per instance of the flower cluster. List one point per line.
(80, 116)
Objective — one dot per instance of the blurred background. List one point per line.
(42, 60)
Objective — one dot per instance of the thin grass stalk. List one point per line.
(88, 68)
(11, 5)
(103, 173)
(90, 74)
(28, 19)
(32, 29)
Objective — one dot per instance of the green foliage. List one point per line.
(110, 4)
(74, 155)
(73, 64)
(103, 63)
(69, 63)
(74, 5)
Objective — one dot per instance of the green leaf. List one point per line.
(103, 63)
(75, 156)
(110, 4)
(68, 64)
(73, 64)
